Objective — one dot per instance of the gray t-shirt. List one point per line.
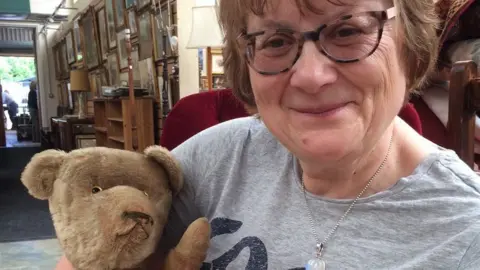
(247, 184)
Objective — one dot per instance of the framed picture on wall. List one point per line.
(143, 3)
(70, 47)
(146, 69)
(129, 3)
(132, 21)
(56, 59)
(63, 55)
(166, 42)
(145, 39)
(90, 35)
(111, 30)
(136, 67)
(112, 69)
(123, 78)
(101, 78)
(158, 37)
(119, 11)
(122, 51)
(77, 38)
(102, 32)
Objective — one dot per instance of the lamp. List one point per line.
(205, 33)
(79, 83)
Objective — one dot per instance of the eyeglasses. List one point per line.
(348, 39)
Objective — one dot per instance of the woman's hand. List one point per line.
(64, 264)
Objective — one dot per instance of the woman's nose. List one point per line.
(313, 70)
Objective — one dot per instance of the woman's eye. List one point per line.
(277, 42)
(347, 32)
(96, 189)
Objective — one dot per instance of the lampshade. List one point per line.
(206, 30)
(79, 80)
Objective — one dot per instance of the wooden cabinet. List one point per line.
(114, 127)
(66, 130)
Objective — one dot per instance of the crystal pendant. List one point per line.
(315, 264)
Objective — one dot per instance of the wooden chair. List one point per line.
(464, 102)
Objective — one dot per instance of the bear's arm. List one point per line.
(182, 214)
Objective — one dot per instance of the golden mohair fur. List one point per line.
(109, 206)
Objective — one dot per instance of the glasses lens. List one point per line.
(272, 51)
(351, 38)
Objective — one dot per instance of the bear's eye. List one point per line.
(146, 194)
(96, 189)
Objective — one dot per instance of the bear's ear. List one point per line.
(40, 173)
(162, 156)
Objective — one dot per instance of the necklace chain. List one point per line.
(321, 245)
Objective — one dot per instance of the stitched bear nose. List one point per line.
(138, 217)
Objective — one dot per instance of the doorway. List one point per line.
(17, 73)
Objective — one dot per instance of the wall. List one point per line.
(188, 58)
(47, 86)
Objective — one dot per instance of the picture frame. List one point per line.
(145, 39)
(102, 32)
(62, 95)
(123, 78)
(129, 3)
(122, 51)
(111, 30)
(97, 80)
(158, 37)
(93, 85)
(119, 11)
(112, 69)
(91, 48)
(63, 57)
(101, 79)
(166, 42)
(77, 38)
(141, 4)
(132, 21)
(71, 58)
(66, 89)
(217, 67)
(56, 59)
(85, 140)
(147, 70)
(136, 67)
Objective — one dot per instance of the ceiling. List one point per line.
(16, 30)
(40, 11)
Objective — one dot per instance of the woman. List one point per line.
(329, 176)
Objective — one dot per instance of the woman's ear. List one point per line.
(163, 157)
(40, 173)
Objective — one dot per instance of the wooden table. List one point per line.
(65, 129)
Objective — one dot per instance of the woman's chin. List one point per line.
(327, 147)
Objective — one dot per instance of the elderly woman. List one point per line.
(328, 176)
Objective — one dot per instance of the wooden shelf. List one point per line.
(101, 129)
(114, 127)
(117, 139)
(115, 119)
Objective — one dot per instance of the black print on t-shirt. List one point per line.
(258, 252)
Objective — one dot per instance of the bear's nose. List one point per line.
(138, 217)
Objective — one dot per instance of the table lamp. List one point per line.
(80, 84)
(206, 33)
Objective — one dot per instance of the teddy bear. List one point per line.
(109, 206)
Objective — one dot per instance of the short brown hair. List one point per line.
(417, 21)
